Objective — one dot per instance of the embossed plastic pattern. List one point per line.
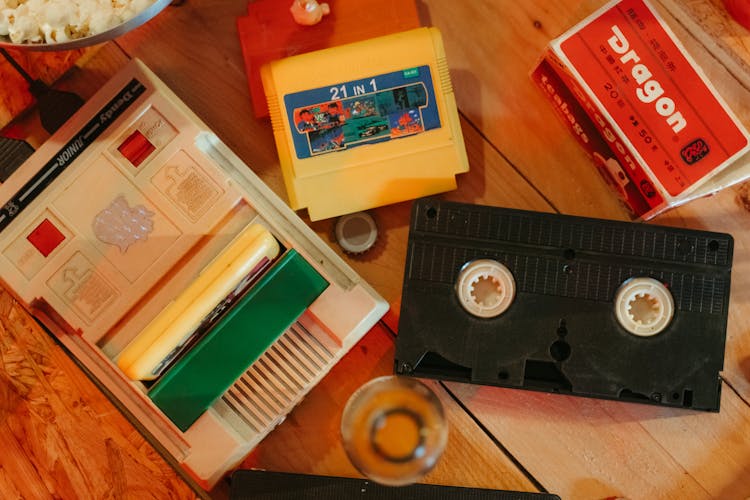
(260, 317)
(561, 332)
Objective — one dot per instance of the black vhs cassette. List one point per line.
(571, 305)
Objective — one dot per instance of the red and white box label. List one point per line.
(666, 129)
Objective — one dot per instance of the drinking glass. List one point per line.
(394, 430)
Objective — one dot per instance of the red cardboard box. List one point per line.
(656, 129)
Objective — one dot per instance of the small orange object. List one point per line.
(308, 12)
(268, 33)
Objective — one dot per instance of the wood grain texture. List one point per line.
(45, 66)
(729, 210)
(194, 49)
(308, 441)
(521, 156)
(585, 448)
(492, 181)
(603, 445)
(490, 72)
(60, 437)
(710, 23)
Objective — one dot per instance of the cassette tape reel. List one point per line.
(563, 304)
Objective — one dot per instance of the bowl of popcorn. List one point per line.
(70, 24)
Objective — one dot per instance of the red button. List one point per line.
(46, 237)
(136, 148)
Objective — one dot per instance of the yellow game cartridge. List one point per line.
(160, 341)
(366, 124)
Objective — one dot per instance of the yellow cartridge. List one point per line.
(365, 124)
(169, 330)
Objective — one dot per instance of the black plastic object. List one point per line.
(55, 106)
(560, 333)
(264, 485)
(13, 152)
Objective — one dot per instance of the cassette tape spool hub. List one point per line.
(599, 308)
(485, 288)
(644, 306)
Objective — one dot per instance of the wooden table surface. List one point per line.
(61, 438)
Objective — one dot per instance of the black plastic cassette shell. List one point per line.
(13, 152)
(560, 334)
(266, 485)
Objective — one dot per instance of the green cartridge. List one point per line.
(268, 309)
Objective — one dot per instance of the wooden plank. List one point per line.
(490, 72)
(500, 99)
(472, 445)
(670, 451)
(586, 448)
(167, 48)
(195, 50)
(309, 440)
(60, 436)
(710, 23)
(45, 66)
(727, 211)
(578, 448)
(491, 181)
